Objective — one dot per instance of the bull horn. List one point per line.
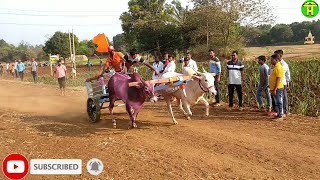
(197, 76)
(139, 84)
(197, 73)
(204, 70)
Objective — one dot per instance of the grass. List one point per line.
(94, 62)
(70, 82)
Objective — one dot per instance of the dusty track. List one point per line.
(38, 123)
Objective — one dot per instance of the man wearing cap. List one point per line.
(115, 60)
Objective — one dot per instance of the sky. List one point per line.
(35, 21)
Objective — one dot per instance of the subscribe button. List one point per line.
(55, 166)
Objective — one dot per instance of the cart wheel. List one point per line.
(94, 111)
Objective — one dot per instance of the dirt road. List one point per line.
(38, 123)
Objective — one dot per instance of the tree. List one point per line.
(84, 48)
(281, 33)
(300, 30)
(230, 19)
(145, 23)
(252, 35)
(222, 24)
(24, 51)
(5, 50)
(59, 44)
(315, 29)
(120, 43)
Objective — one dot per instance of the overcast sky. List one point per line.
(34, 21)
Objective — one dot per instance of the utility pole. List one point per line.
(208, 26)
(74, 56)
(50, 65)
(207, 33)
(71, 58)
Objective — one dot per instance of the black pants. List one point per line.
(231, 92)
(62, 82)
(34, 76)
(216, 84)
(21, 75)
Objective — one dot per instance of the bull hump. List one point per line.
(136, 77)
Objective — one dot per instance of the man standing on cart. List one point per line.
(115, 60)
(126, 64)
(133, 60)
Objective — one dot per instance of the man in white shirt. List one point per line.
(189, 62)
(285, 82)
(34, 70)
(7, 69)
(15, 68)
(171, 67)
(158, 65)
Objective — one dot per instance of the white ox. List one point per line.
(194, 91)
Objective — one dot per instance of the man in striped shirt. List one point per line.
(235, 74)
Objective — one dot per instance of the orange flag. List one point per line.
(102, 42)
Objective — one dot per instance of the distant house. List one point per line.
(309, 39)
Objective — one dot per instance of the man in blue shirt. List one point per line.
(215, 67)
(263, 84)
(89, 64)
(20, 69)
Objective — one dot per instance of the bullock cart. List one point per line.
(98, 95)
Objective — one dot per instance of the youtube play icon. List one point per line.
(15, 166)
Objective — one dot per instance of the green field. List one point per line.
(94, 61)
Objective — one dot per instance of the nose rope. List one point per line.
(204, 87)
